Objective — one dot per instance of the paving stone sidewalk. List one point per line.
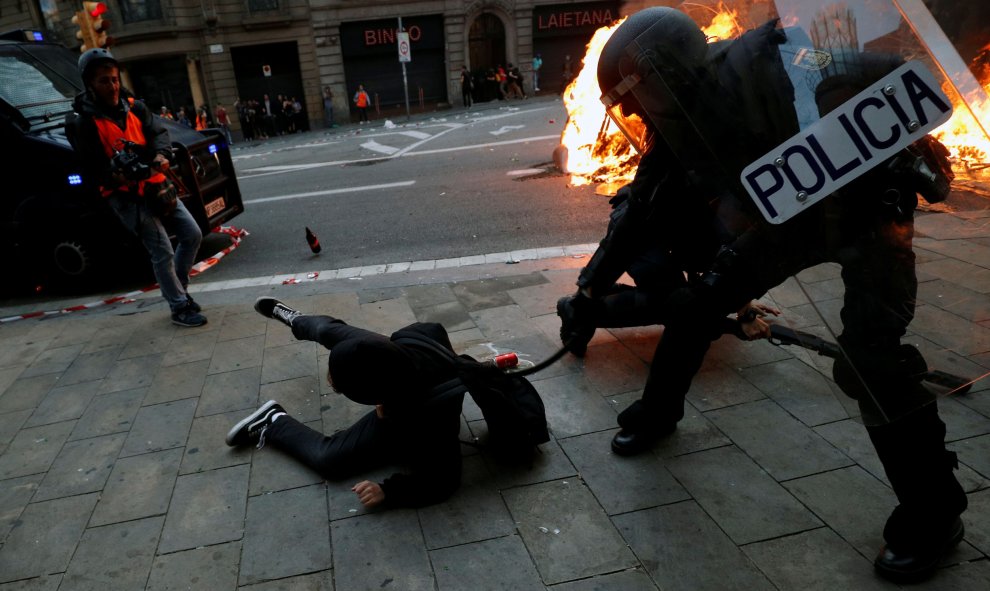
(114, 474)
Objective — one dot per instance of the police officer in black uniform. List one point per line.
(699, 114)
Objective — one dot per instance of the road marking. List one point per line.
(331, 192)
(525, 172)
(358, 273)
(506, 129)
(380, 148)
(524, 140)
(415, 134)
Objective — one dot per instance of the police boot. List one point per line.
(925, 525)
(640, 429)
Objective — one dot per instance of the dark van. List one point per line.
(55, 229)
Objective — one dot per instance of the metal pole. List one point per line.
(405, 82)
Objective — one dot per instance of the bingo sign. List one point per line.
(403, 42)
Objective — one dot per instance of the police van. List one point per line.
(55, 228)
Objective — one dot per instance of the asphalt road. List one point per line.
(464, 183)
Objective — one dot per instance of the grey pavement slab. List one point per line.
(566, 531)
(238, 354)
(294, 360)
(91, 366)
(175, 382)
(206, 508)
(203, 452)
(132, 372)
(977, 520)
(230, 391)
(210, 567)
(380, 551)
(497, 564)
(116, 556)
(743, 499)
(27, 393)
(612, 368)
(45, 538)
(52, 361)
(274, 470)
(573, 406)
(14, 496)
(721, 386)
(477, 512)
(300, 396)
(160, 426)
(799, 389)
(852, 502)
(295, 519)
(139, 486)
(682, 548)
(759, 427)
(33, 450)
(817, 559)
(81, 467)
(109, 413)
(628, 580)
(63, 404)
(621, 484)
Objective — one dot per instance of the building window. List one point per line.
(49, 12)
(136, 11)
(262, 5)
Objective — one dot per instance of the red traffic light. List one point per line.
(95, 9)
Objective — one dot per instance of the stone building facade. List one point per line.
(193, 52)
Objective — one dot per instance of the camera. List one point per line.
(128, 163)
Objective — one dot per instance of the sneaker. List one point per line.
(188, 317)
(252, 428)
(191, 304)
(272, 308)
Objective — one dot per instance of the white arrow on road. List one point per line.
(506, 129)
(380, 148)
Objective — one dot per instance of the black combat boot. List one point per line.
(925, 525)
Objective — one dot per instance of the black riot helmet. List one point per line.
(93, 57)
(654, 39)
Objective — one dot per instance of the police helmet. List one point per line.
(654, 39)
(93, 57)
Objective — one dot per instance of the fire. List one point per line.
(597, 151)
(962, 135)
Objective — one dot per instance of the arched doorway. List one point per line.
(486, 49)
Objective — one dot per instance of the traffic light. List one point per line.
(98, 23)
(92, 25)
(85, 32)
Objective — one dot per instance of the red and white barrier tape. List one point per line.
(309, 277)
(236, 235)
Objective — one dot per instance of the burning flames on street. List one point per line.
(596, 151)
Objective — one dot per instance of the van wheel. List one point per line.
(72, 259)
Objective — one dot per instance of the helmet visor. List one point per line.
(625, 116)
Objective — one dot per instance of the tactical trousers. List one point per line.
(920, 470)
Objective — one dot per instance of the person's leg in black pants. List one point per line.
(361, 447)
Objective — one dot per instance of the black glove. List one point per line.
(578, 320)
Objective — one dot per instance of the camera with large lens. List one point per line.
(127, 162)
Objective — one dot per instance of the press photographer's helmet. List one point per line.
(92, 58)
(658, 39)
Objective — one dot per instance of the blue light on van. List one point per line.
(75, 179)
(213, 148)
(37, 36)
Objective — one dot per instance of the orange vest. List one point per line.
(111, 137)
(362, 99)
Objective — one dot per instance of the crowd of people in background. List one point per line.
(260, 119)
(266, 117)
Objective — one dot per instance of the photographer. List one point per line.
(126, 150)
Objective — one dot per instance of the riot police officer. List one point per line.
(699, 114)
